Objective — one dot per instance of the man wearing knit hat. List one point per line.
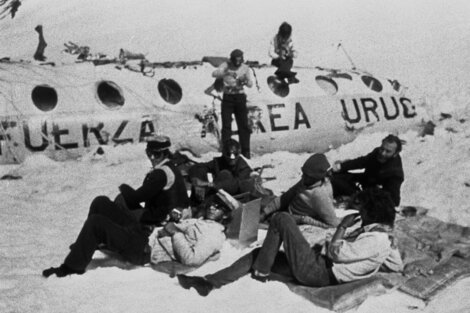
(123, 226)
(235, 75)
(310, 200)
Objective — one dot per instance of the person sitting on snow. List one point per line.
(124, 226)
(195, 240)
(382, 168)
(230, 172)
(309, 200)
(345, 258)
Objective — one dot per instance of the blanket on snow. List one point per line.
(436, 254)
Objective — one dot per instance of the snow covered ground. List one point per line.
(423, 43)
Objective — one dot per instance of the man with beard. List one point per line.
(382, 168)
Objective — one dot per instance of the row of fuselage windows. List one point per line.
(45, 98)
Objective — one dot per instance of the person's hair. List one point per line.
(378, 204)
(229, 144)
(393, 139)
(210, 200)
(285, 30)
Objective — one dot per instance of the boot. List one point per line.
(61, 271)
(202, 286)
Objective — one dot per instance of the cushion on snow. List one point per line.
(442, 276)
(442, 250)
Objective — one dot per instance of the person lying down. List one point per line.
(358, 255)
(191, 241)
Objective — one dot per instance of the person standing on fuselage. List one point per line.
(236, 75)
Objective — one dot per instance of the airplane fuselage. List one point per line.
(67, 111)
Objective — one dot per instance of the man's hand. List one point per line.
(336, 167)
(170, 228)
(200, 187)
(231, 73)
(241, 81)
(349, 220)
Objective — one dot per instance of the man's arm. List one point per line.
(272, 49)
(393, 186)
(394, 263)
(220, 71)
(287, 197)
(357, 163)
(153, 183)
(246, 78)
(197, 243)
(304, 219)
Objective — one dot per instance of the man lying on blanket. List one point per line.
(193, 241)
(356, 256)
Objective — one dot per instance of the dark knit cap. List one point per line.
(158, 143)
(236, 53)
(316, 166)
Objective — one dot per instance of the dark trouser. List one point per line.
(284, 67)
(236, 104)
(109, 225)
(344, 184)
(243, 266)
(299, 260)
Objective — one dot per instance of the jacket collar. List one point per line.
(161, 163)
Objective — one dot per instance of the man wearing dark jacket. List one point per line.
(230, 172)
(123, 226)
(382, 168)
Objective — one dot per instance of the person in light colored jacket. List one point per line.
(194, 241)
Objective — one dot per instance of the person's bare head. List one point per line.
(390, 148)
(231, 151)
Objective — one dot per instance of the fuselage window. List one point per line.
(372, 83)
(278, 87)
(110, 94)
(170, 91)
(327, 84)
(44, 98)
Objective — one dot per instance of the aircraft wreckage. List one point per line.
(67, 110)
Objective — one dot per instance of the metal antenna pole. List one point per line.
(347, 55)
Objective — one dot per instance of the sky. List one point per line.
(423, 43)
